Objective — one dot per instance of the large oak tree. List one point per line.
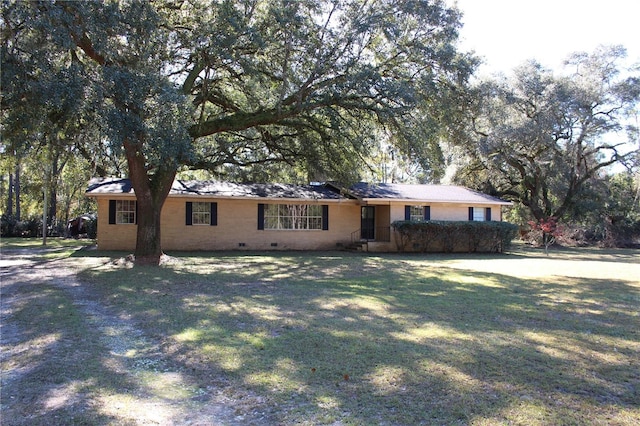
(208, 83)
(538, 138)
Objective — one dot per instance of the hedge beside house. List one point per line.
(453, 236)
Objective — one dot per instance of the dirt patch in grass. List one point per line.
(70, 358)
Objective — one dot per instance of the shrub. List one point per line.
(548, 231)
(91, 226)
(452, 236)
(8, 226)
(29, 228)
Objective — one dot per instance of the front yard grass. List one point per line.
(55, 248)
(15, 243)
(331, 338)
(334, 338)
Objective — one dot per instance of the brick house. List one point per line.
(208, 215)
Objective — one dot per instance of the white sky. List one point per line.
(505, 33)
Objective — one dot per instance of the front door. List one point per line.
(368, 223)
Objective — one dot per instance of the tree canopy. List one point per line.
(203, 84)
(538, 138)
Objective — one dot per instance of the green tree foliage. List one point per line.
(609, 210)
(48, 115)
(307, 82)
(539, 139)
(208, 84)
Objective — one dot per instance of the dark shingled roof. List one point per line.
(427, 193)
(366, 191)
(224, 189)
(255, 190)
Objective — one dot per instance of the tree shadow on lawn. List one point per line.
(365, 340)
(52, 361)
(67, 359)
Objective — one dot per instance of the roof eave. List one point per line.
(217, 197)
(421, 200)
(236, 197)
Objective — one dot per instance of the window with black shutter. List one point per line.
(123, 212)
(294, 217)
(478, 214)
(201, 213)
(417, 213)
(325, 217)
(260, 217)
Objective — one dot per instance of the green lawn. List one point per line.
(55, 247)
(356, 339)
(397, 339)
(36, 243)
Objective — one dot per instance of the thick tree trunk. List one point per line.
(148, 239)
(151, 192)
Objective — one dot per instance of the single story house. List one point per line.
(208, 215)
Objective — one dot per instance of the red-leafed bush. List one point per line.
(546, 230)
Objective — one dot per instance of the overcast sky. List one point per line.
(508, 32)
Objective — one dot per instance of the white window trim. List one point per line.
(293, 217)
(202, 211)
(121, 212)
(414, 215)
(479, 214)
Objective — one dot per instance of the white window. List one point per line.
(125, 211)
(478, 214)
(201, 213)
(416, 213)
(292, 216)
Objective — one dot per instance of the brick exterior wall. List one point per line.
(237, 225)
(236, 229)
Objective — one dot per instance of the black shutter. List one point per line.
(487, 214)
(188, 218)
(136, 218)
(325, 217)
(260, 216)
(112, 212)
(470, 213)
(407, 212)
(427, 212)
(214, 214)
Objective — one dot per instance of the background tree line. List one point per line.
(295, 91)
(564, 147)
